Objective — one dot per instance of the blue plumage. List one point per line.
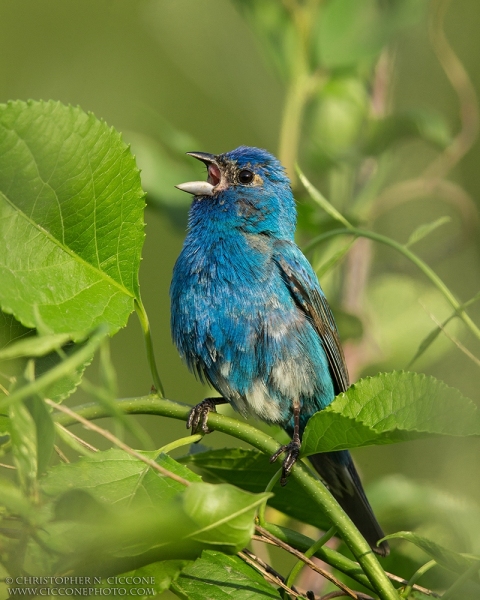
(248, 313)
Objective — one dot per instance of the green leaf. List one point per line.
(424, 230)
(18, 344)
(389, 408)
(71, 219)
(117, 514)
(251, 470)
(161, 574)
(35, 346)
(115, 477)
(453, 561)
(202, 516)
(44, 432)
(23, 435)
(220, 577)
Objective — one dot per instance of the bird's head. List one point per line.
(250, 188)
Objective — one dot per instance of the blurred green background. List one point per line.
(178, 75)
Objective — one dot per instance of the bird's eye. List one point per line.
(245, 176)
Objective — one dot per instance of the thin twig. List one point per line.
(267, 573)
(76, 438)
(415, 587)
(62, 456)
(109, 436)
(453, 339)
(266, 534)
(343, 595)
(266, 566)
(391, 576)
(7, 466)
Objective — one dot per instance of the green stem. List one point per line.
(64, 369)
(185, 441)
(434, 278)
(143, 318)
(322, 201)
(269, 488)
(309, 553)
(297, 94)
(301, 85)
(451, 593)
(415, 577)
(311, 486)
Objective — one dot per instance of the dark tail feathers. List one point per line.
(339, 474)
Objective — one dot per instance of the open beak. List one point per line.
(203, 188)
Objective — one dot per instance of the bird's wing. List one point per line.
(308, 295)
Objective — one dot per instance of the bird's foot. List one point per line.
(198, 416)
(292, 451)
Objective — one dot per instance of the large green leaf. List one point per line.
(389, 408)
(115, 540)
(217, 576)
(251, 470)
(71, 219)
(113, 513)
(117, 478)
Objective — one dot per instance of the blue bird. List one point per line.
(249, 316)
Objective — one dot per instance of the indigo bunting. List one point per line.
(249, 316)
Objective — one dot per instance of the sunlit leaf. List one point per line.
(389, 408)
(115, 477)
(71, 219)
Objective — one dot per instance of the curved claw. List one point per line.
(198, 416)
(292, 452)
